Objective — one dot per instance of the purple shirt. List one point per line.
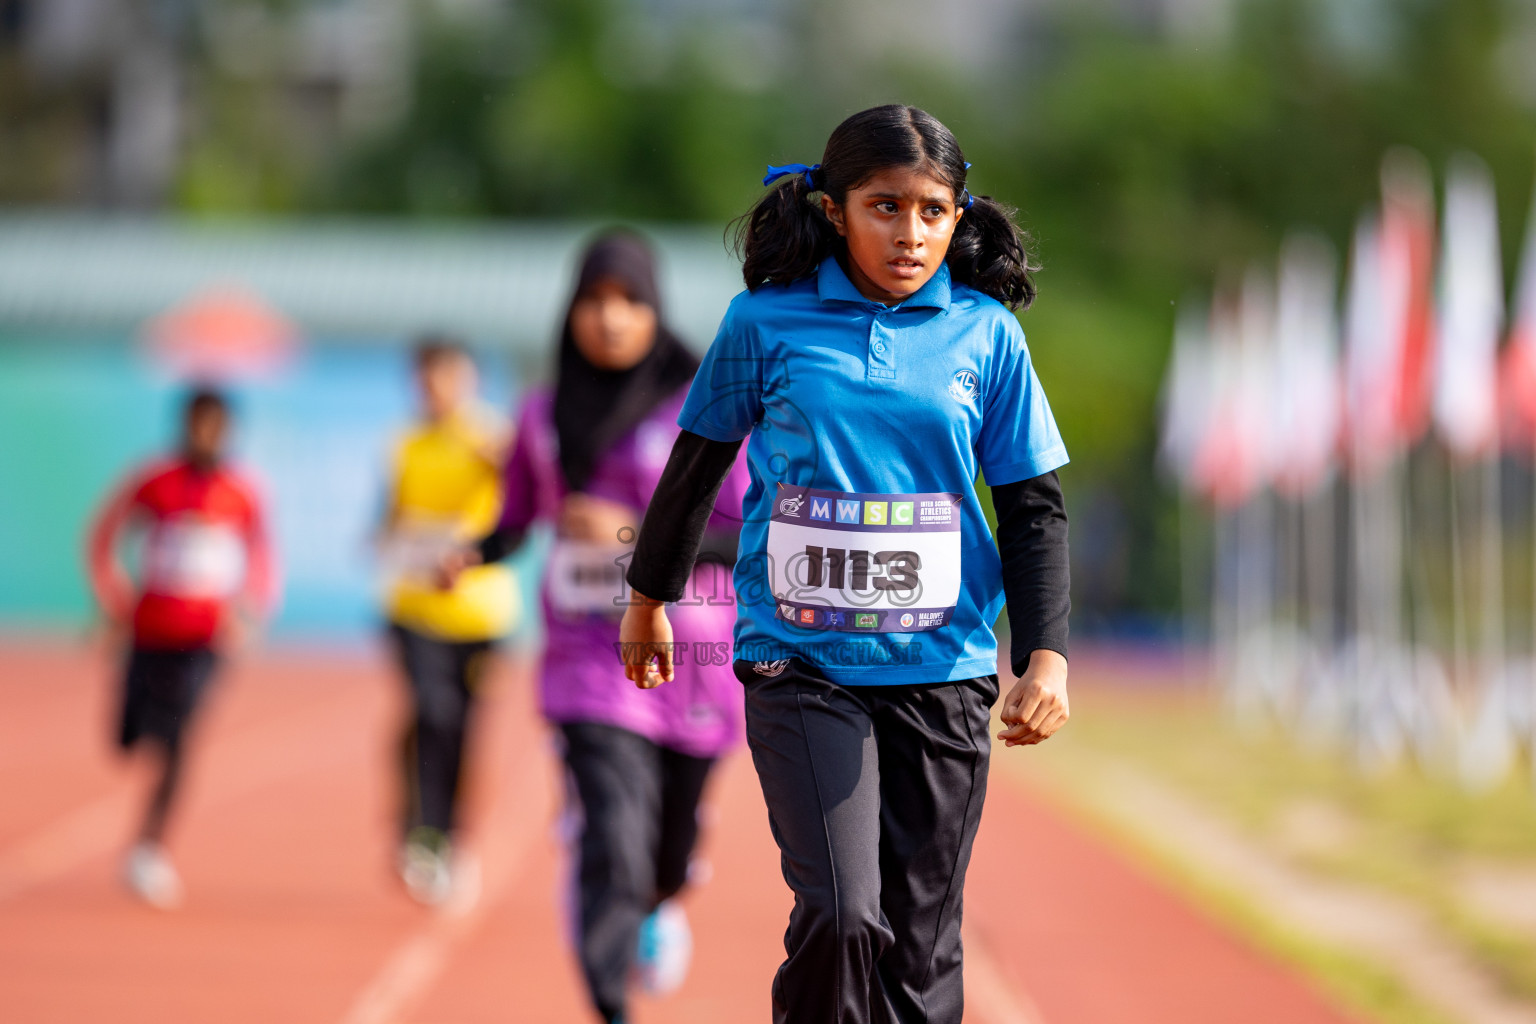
(582, 679)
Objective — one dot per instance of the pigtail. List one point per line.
(784, 237)
(990, 253)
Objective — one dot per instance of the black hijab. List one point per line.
(594, 408)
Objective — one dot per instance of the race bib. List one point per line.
(864, 563)
(415, 549)
(586, 578)
(193, 558)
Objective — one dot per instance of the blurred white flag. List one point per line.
(1187, 394)
(1306, 411)
(1471, 317)
(1368, 355)
(1257, 396)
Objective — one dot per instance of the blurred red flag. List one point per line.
(222, 333)
(1390, 316)
(1230, 459)
(1517, 377)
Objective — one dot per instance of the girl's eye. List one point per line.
(886, 206)
(933, 211)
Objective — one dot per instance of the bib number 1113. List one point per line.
(840, 568)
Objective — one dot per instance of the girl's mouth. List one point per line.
(905, 266)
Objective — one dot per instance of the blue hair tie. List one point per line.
(805, 171)
(965, 193)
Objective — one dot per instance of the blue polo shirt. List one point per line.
(863, 547)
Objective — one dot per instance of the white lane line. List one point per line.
(65, 843)
(253, 758)
(991, 991)
(410, 970)
(416, 963)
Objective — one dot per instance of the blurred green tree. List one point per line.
(1147, 162)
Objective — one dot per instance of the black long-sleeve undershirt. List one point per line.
(1037, 579)
(500, 543)
(719, 546)
(676, 521)
(703, 460)
(1031, 535)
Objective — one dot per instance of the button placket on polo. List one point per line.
(880, 360)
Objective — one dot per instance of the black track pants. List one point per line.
(443, 676)
(874, 795)
(639, 804)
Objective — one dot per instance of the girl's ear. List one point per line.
(834, 214)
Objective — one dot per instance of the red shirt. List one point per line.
(205, 547)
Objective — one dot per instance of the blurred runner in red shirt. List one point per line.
(204, 577)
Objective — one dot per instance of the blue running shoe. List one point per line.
(665, 950)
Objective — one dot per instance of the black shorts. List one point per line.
(161, 690)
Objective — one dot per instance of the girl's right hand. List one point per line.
(645, 635)
(453, 564)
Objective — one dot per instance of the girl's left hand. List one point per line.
(1037, 705)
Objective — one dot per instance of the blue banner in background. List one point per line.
(77, 414)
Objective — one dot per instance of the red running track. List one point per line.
(293, 916)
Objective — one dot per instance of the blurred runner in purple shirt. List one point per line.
(587, 458)
(583, 589)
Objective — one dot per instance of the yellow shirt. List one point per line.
(447, 491)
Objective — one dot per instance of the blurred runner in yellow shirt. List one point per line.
(444, 490)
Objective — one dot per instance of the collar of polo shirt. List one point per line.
(832, 285)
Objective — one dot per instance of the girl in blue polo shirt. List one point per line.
(874, 366)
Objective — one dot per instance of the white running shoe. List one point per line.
(424, 868)
(150, 876)
(666, 949)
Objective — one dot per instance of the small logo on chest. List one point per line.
(964, 385)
